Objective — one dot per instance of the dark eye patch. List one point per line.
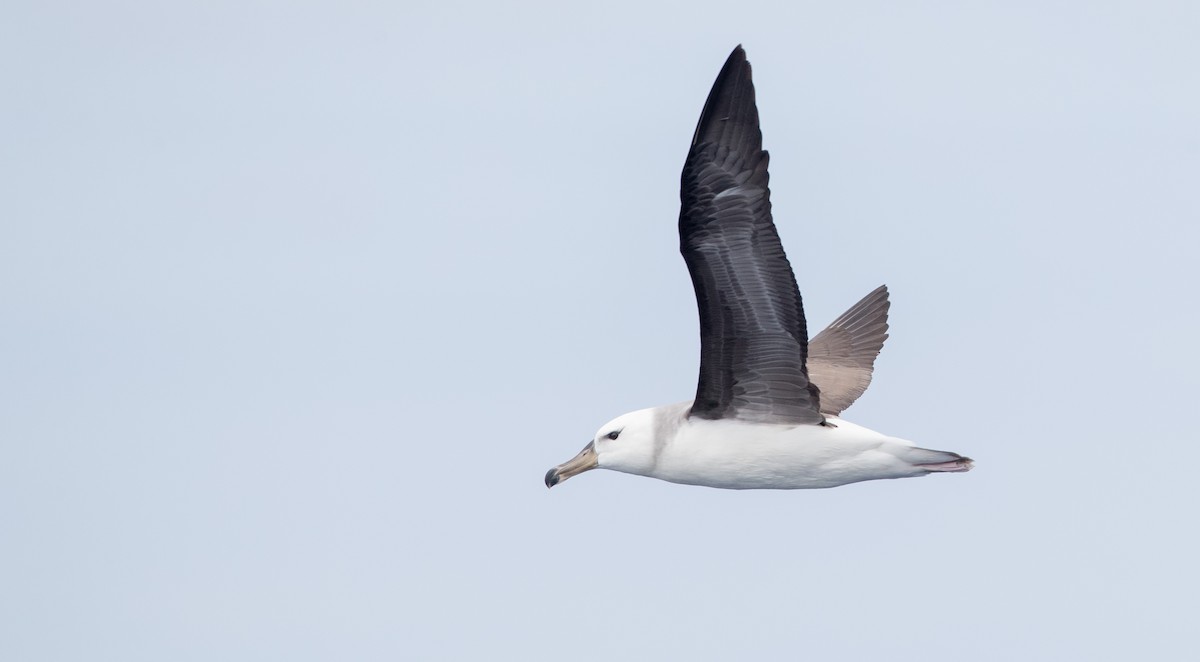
(614, 434)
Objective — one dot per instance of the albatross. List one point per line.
(767, 409)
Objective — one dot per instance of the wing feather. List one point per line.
(841, 359)
(753, 336)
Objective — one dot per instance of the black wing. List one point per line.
(753, 339)
(842, 357)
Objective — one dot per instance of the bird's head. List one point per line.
(627, 443)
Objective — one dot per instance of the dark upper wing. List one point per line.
(752, 334)
(842, 357)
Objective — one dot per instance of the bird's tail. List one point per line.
(930, 460)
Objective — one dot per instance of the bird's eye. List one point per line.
(614, 434)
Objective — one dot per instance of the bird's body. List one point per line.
(734, 454)
(768, 401)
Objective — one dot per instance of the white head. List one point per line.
(627, 443)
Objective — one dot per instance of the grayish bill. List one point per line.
(585, 461)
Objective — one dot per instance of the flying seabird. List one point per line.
(766, 411)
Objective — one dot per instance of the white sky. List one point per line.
(299, 301)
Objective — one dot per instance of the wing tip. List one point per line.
(729, 97)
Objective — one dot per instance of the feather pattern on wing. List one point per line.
(752, 331)
(841, 358)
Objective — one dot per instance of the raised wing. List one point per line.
(753, 338)
(842, 357)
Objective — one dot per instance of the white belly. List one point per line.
(738, 455)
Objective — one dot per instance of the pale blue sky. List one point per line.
(298, 302)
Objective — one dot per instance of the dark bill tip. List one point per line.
(552, 477)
